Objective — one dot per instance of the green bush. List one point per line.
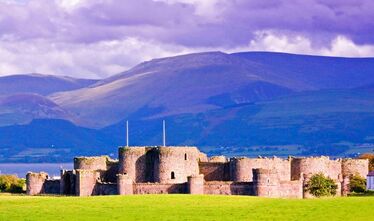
(319, 186)
(12, 184)
(357, 184)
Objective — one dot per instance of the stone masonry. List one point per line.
(186, 170)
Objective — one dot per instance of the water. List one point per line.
(21, 169)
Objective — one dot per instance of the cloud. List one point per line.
(340, 46)
(96, 38)
(95, 60)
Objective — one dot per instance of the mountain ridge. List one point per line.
(234, 104)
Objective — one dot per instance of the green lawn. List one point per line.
(183, 207)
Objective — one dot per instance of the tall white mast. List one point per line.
(163, 133)
(127, 133)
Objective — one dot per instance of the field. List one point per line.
(183, 207)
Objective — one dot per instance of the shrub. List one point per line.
(357, 184)
(12, 184)
(319, 185)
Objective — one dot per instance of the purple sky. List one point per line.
(98, 38)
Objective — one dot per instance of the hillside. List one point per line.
(253, 103)
(197, 83)
(40, 84)
(23, 108)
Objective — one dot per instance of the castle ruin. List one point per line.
(186, 170)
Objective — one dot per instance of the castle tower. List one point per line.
(266, 183)
(176, 164)
(86, 181)
(35, 183)
(196, 184)
(132, 162)
(124, 185)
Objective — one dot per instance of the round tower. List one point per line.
(124, 185)
(196, 184)
(90, 163)
(132, 162)
(266, 183)
(240, 170)
(35, 183)
(176, 164)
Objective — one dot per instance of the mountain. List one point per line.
(334, 122)
(201, 82)
(253, 103)
(23, 108)
(40, 84)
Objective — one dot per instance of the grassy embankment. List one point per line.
(183, 207)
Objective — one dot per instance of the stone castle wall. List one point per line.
(158, 170)
(39, 183)
(291, 189)
(241, 168)
(355, 167)
(51, 187)
(314, 165)
(159, 188)
(218, 159)
(86, 181)
(67, 182)
(215, 171)
(228, 188)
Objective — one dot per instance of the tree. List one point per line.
(357, 184)
(319, 185)
(12, 184)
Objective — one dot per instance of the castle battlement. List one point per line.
(161, 170)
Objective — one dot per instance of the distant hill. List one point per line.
(200, 82)
(253, 103)
(40, 84)
(23, 108)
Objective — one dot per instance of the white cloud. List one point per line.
(70, 4)
(95, 60)
(105, 58)
(340, 46)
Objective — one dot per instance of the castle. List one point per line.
(162, 170)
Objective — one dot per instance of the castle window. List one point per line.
(172, 175)
(185, 156)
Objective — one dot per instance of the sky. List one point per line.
(99, 38)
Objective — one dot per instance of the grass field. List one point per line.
(183, 207)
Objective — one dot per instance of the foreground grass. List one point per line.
(183, 207)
